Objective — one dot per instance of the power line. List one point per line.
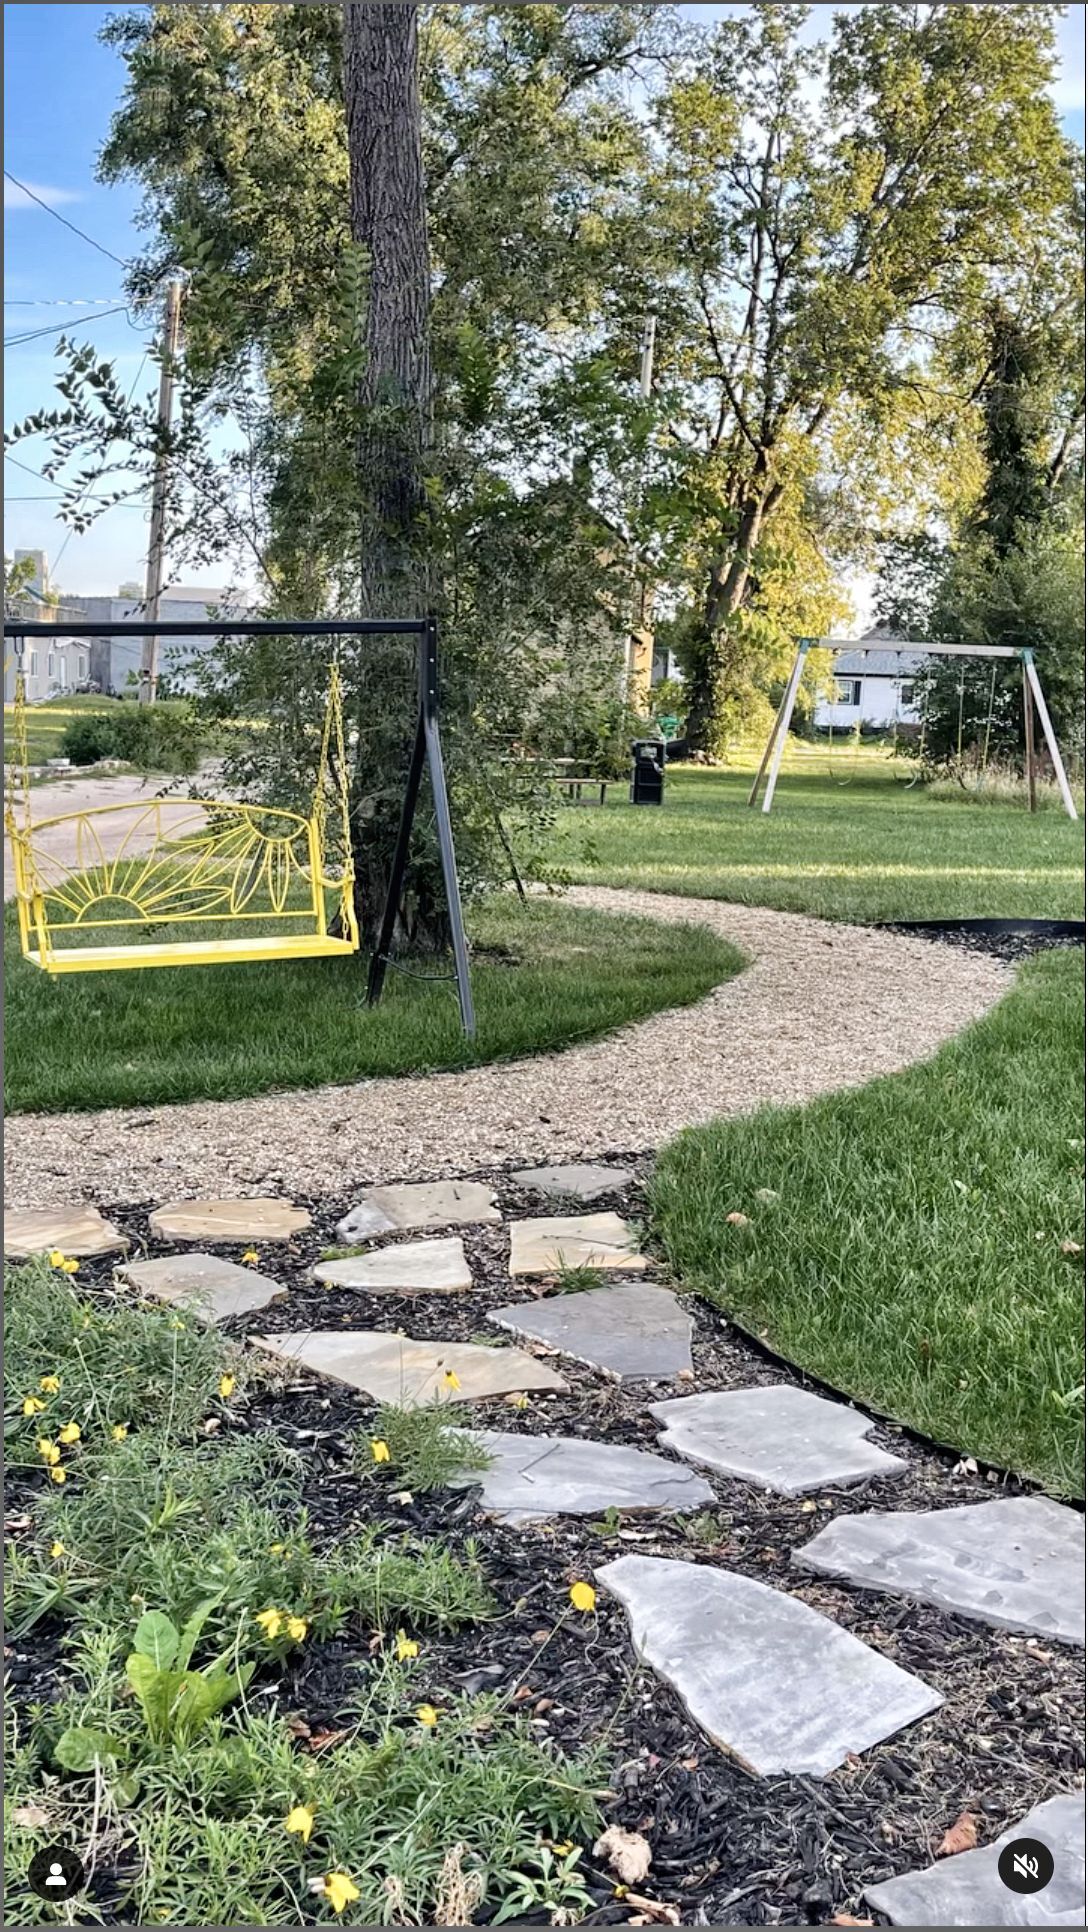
(32, 335)
(57, 301)
(8, 176)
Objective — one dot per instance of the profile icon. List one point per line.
(56, 1872)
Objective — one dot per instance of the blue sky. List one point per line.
(60, 87)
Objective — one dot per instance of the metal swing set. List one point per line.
(1034, 706)
(234, 869)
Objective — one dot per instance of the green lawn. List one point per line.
(846, 840)
(913, 1255)
(545, 975)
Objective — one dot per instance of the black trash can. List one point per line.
(648, 771)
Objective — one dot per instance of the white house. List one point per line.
(874, 687)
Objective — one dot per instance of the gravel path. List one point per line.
(820, 1007)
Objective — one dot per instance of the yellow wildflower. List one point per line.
(119, 1431)
(32, 1405)
(271, 1622)
(583, 1596)
(300, 1821)
(380, 1451)
(48, 1450)
(49, 1384)
(58, 1475)
(57, 1549)
(226, 1386)
(340, 1890)
(251, 1256)
(69, 1266)
(56, 1257)
(275, 1549)
(297, 1628)
(451, 1380)
(70, 1433)
(406, 1647)
(427, 1715)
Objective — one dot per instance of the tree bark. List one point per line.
(717, 655)
(389, 220)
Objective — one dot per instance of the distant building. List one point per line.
(115, 661)
(874, 687)
(54, 666)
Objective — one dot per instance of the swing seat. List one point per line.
(187, 952)
(250, 879)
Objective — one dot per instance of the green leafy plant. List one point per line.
(177, 1702)
(555, 1886)
(576, 1279)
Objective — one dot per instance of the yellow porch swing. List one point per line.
(232, 869)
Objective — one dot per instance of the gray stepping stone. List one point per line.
(411, 1268)
(534, 1477)
(967, 1889)
(76, 1231)
(212, 1288)
(261, 1218)
(1017, 1563)
(777, 1685)
(632, 1330)
(396, 1369)
(425, 1204)
(782, 1438)
(543, 1246)
(580, 1181)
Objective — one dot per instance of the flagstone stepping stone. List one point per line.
(428, 1204)
(777, 1685)
(581, 1180)
(76, 1231)
(555, 1241)
(395, 1368)
(212, 1287)
(409, 1269)
(782, 1438)
(968, 1890)
(631, 1330)
(1017, 1563)
(533, 1477)
(260, 1219)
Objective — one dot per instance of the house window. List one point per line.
(82, 665)
(49, 662)
(63, 673)
(33, 664)
(847, 690)
(906, 694)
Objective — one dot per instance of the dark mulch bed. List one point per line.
(727, 1847)
(1011, 941)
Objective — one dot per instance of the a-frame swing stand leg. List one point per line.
(776, 743)
(426, 749)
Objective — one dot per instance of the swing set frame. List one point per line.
(1034, 704)
(426, 752)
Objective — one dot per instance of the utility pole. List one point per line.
(149, 656)
(640, 649)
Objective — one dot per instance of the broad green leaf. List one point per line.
(157, 1638)
(78, 1749)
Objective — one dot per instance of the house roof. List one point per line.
(869, 662)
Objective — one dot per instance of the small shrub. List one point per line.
(115, 1366)
(420, 1447)
(157, 737)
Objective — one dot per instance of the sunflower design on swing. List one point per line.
(210, 862)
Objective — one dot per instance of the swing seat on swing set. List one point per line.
(242, 882)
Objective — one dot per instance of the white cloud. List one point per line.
(53, 197)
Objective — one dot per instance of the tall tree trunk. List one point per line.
(717, 661)
(389, 220)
